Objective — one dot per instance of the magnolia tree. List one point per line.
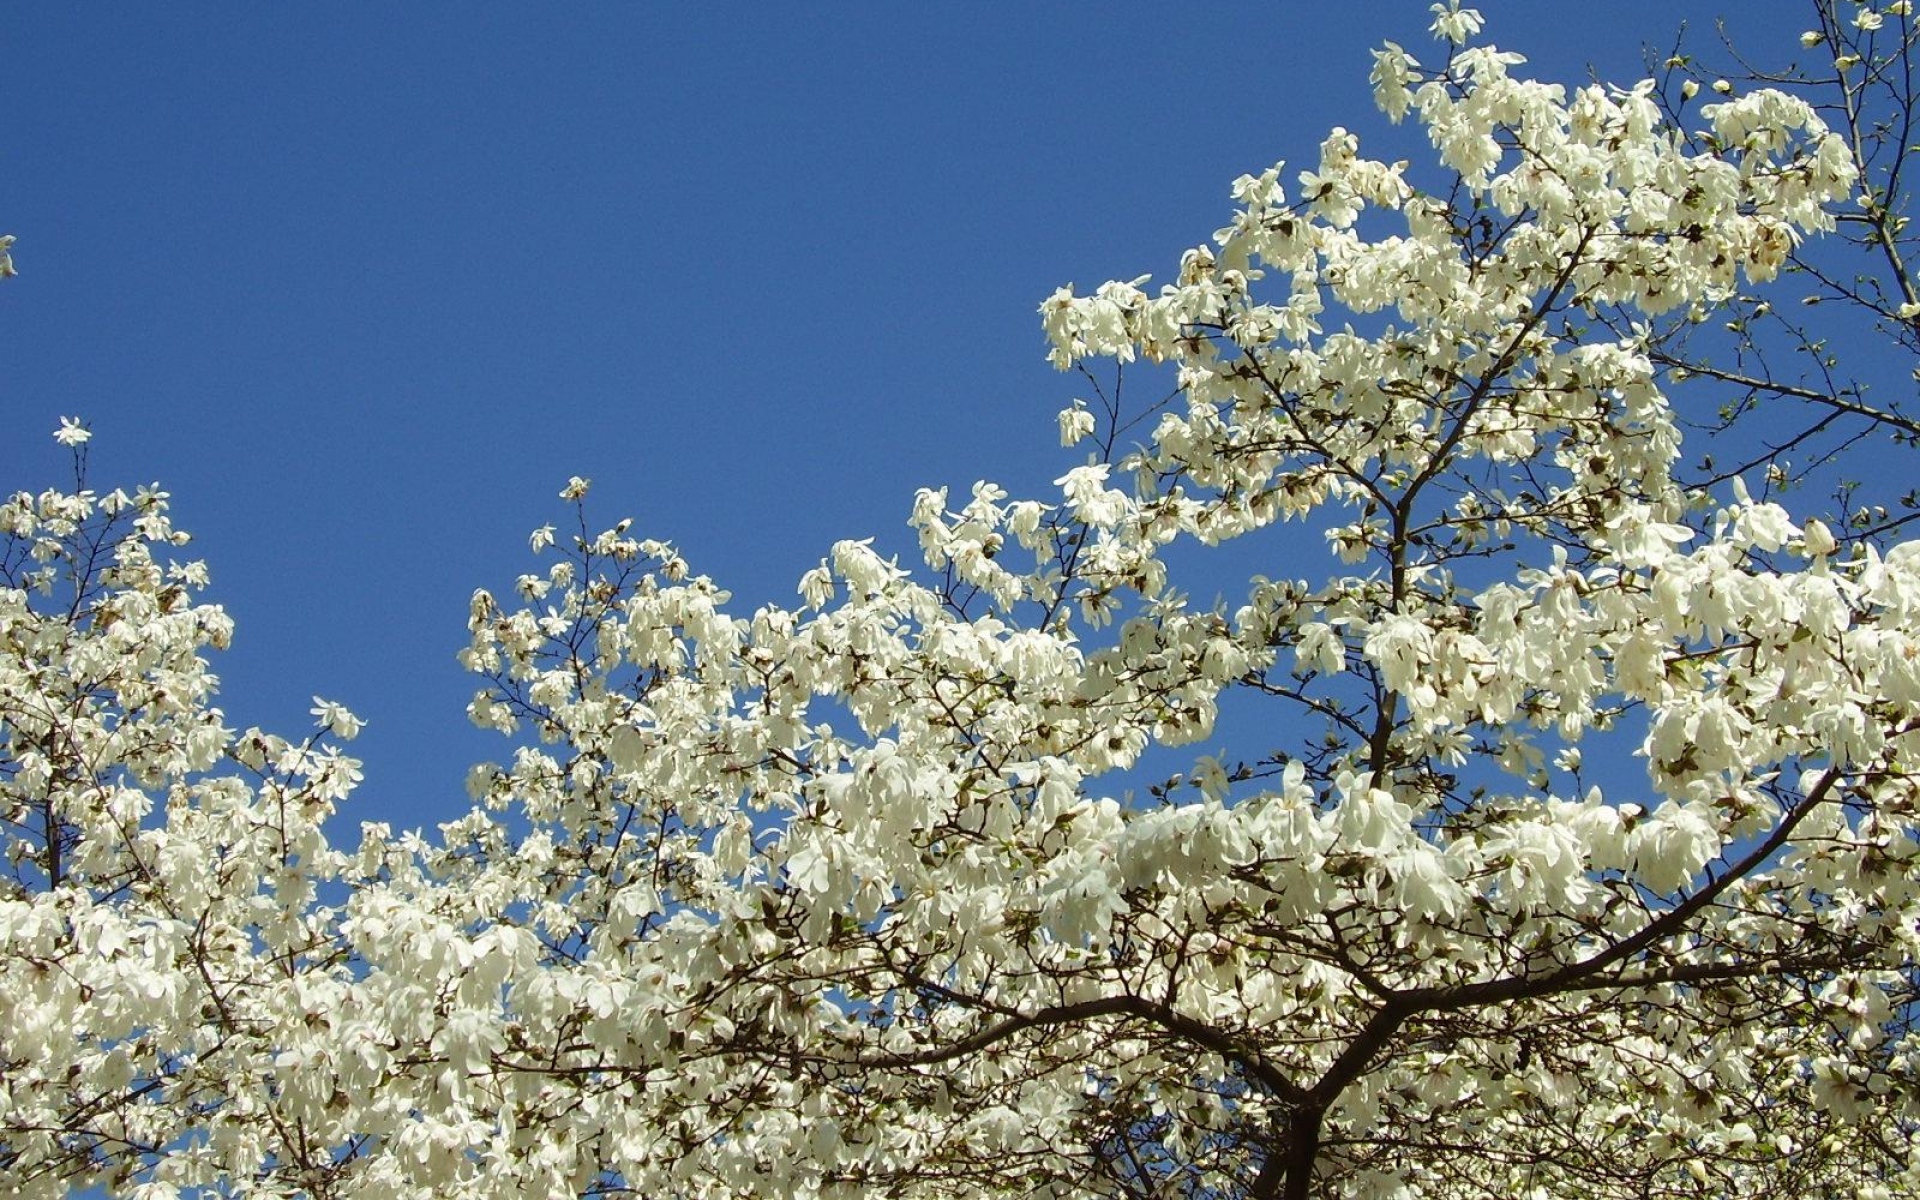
(1565, 843)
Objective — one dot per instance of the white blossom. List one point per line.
(1539, 822)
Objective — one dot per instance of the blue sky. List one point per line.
(363, 286)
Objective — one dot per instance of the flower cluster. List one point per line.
(880, 893)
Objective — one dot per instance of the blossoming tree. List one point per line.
(1566, 844)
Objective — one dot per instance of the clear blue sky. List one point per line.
(362, 285)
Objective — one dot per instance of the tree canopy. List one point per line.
(1534, 817)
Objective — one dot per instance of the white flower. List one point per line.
(1088, 497)
(1076, 423)
(335, 717)
(1393, 75)
(1451, 23)
(72, 432)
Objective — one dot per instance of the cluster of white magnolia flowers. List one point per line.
(942, 884)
